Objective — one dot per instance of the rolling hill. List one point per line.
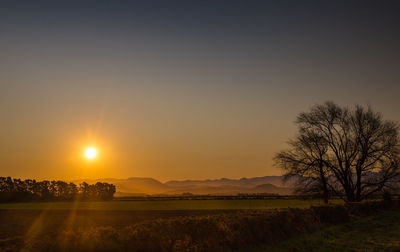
(136, 186)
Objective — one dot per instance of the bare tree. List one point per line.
(352, 153)
(304, 161)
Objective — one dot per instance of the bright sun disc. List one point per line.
(90, 153)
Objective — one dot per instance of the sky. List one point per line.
(182, 89)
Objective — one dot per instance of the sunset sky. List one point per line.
(182, 90)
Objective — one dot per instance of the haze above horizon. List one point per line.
(181, 90)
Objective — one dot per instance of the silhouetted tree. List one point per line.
(98, 191)
(304, 161)
(352, 153)
(28, 190)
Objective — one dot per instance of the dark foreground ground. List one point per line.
(373, 226)
(34, 224)
(379, 232)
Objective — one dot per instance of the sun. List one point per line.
(90, 153)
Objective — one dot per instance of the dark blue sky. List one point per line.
(189, 89)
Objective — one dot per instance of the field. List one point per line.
(369, 233)
(195, 225)
(144, 205)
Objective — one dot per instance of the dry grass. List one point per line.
(379, 232)
(60, 230)
(198, 204)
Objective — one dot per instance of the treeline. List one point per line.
(14, 190)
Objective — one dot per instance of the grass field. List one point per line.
(125, 205)
(369, 233)
(18, 223)
(196, 225)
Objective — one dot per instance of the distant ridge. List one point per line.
(246, 182)
(135, 186)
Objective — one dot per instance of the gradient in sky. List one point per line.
(181, 90)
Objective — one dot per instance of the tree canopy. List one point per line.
(12, 190)
(349, 152)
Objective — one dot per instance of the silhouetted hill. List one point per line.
(148, 186)
(269, 188)
(243, 182)
(133, 185)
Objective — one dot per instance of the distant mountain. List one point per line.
(134, 185)
(148, 186)
(269, 188)
(243, 182)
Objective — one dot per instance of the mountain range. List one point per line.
(137, 186)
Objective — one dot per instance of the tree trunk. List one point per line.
(350, 195)
(326, 196)
(324, 185)
(349, 192)
(358, 185)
